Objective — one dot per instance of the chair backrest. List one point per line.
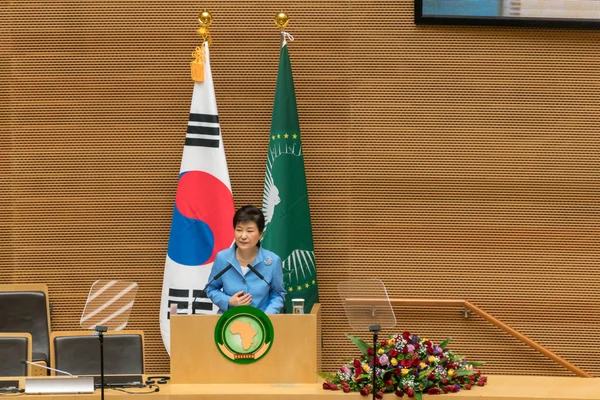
(25, 308)
(14, 347)
(79, 352)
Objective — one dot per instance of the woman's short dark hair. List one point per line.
(249, 214)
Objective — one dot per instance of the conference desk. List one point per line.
(499, 387)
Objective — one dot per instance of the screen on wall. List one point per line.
(549, 13)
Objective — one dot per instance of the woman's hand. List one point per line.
(240, 299)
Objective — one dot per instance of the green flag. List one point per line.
(288, 231)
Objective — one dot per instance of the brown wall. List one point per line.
(451, 162)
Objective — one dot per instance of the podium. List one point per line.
(195, 358)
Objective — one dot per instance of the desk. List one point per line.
(499, 387)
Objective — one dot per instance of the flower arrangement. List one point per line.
(407, 365)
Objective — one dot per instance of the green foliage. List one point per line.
(361, 344)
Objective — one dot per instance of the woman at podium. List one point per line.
(247, 274)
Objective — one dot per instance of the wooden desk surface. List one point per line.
(499, 387)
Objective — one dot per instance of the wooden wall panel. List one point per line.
(452, 162)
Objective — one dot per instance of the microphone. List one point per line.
(48, 368)
(253, 269)
(217, 276)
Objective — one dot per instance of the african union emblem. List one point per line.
(244, 334)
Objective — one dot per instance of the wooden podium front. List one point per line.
(195, 358)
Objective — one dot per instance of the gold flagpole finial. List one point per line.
(205, 19)
(282, 20)
(197, 65)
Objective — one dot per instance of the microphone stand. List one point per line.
(375, 329)
(253, 269)
(202, 293)
(99, 331)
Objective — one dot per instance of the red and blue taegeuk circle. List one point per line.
(202, 219)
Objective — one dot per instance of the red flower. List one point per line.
(370, 351)
(346, 389)
(405, 350)
(468, 386)
(356, 363)
(326, 385)
(364, 391)
(397, 371)
(431, 376)
(416, 362)
(434, 391)
(446, 389)
(406, 335)
(393, 353)
(383, 343)
(410, 393)
(444, 381)
(333, 386)
(480, 383)
(399, 393)
(388, 383)
(429, 350)
(379, 395)
(358, 371)
(417, 346)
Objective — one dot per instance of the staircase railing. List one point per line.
(470, 308)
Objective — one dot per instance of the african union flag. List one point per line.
(288, 230)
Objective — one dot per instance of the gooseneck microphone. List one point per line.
(217, 276)
(48, 368)
(253, 269)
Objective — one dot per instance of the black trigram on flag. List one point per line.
(189, 302)
(203, 130)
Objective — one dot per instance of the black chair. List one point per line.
(25, 308)
(14, 347)
(79, 352)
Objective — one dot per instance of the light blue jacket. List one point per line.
(267, 298)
